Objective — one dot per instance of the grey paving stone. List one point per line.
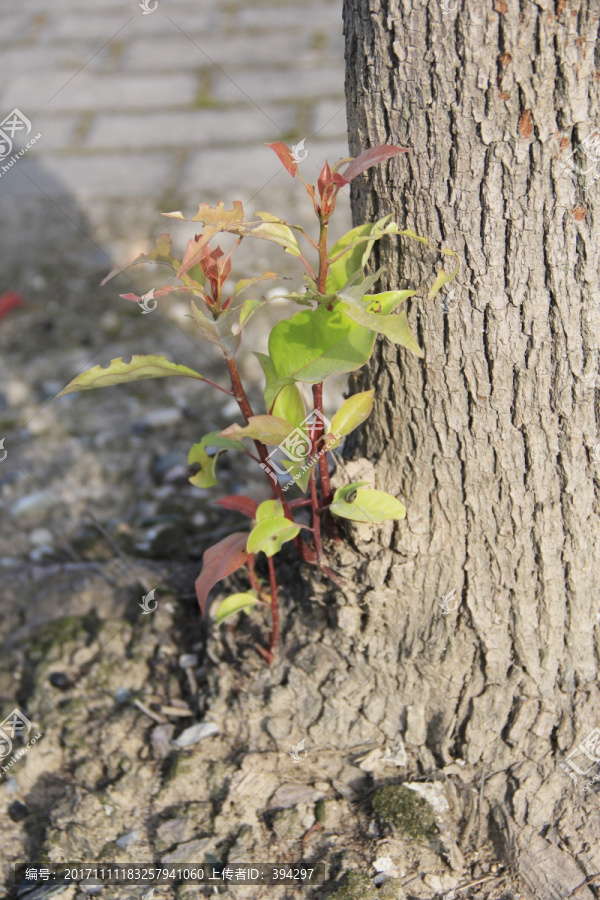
(173, 51)
(322, 16)
(189, 129)
(86, 91)
(121, 177)
(57, 133)
(233, 172)
(15, 26)
(328, 119)
(233, 85)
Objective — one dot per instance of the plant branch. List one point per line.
(274, 606)
(241, 398)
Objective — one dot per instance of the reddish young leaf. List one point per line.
(245, 505)
(219, 561)
(10, 300)
(371, 157)
(285, 157)
(324, 178)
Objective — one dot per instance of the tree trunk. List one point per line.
(492, 439)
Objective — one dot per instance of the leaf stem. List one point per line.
(274, 606)
(241, 398)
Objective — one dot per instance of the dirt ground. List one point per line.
(98, 512)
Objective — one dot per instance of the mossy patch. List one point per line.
(356, 886)
(405, 810)
(55, 634)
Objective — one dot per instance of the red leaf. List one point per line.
(245, 505)
(324, 178)
(371, 157)
(285, 157)
(10, 300)
(219, 561)
(339, 180)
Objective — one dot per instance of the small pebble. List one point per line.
(12, 786)
(122, 695)
(196, 733)
(31, 505)
(17, 811)
(162, 418)
(126, 839)
(40, 536)
(60, 680)
(40, 553)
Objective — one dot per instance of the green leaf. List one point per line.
(160, 254)
(358, 243)
(269, 536)
(233, 604)
(386, 302)
(316, 343)
(294, 468)
(273, 229)
(273, 384)
(351, 414)
(218, 331)
(289, 405)
(268, 429)
(206, 477)
(270, 509)
(246, 282)
(357, 305)
(441, 279)
(119, 372)
(365, 504)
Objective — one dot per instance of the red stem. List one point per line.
(239, 394)
(323, 463)
(274, 606)
(316, 519)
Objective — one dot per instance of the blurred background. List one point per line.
(124, 112)
(112, 112)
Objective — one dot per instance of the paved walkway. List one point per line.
(140, 112)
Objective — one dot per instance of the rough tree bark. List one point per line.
(490, 439)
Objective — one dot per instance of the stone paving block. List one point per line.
(235, 173)
(189, 128)
(16, 26)
(324, 16)
(100, 27)
(234, 85)
(174, 51)
(86, 91)
(328, 119)
(84, 177)
(57, 133)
